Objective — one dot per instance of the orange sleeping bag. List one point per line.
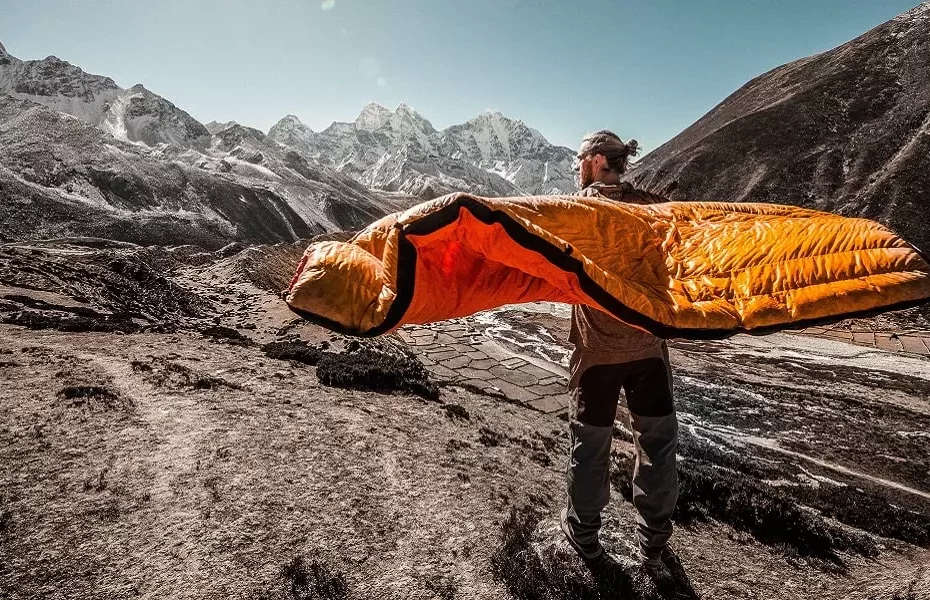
(676, 269)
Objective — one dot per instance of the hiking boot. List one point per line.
(586, 550)
(661, 575)
(651, 557)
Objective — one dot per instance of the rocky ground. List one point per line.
(169, 429)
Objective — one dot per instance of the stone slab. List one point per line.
(537, 371)
(865, 338)
(484, 363)
(912, 343)
(884, 341)
(553, 389)
(442, 354)
(441, 371)
(472, 373)
(493, 351)
(514, 392)
(513, 362)
(456, 362)
(549, 404)
(514, 376)
(445, 338)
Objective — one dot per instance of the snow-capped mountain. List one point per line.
(400, 150)
(129, 165)
(80, 156)
(134, 114)
(846, 131)
(61, 177)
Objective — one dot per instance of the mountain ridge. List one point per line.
(846, 131)
(400, 150)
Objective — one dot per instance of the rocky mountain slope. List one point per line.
(60, 177)
(847, 130)
(400, 150)
(134, 114)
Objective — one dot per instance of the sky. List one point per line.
(645, 69)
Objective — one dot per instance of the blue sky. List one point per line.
(646, 69)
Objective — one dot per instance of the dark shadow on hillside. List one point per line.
(553, 573)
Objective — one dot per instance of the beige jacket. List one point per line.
(598, 337)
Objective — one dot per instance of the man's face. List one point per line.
(584, 171)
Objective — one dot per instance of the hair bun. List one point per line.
(632, 148)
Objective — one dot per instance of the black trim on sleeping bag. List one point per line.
(430, 223)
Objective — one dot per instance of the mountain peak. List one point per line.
(292, 122)
(374, 108)
(373, 116)
(3, 51)
(494, 116)
(215, 127)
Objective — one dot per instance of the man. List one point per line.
(609, 356)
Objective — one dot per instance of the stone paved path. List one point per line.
(912, 342)
(457, 351)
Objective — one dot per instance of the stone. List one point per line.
(406, 336)
(514, 392)
(553, 389)
(472, 373)
(912, 343)
(441, 371)
(514, 376)
(549, 404)
(838, 335)
(537, 371)
(884, 341)
(493, 351)
(456, 362)
(867, 338)
(442, 354)
(484, 363)
(445, 338)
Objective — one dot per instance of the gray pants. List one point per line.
(648, 387)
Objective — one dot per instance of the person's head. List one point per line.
(602, 157)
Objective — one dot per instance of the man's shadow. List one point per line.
(636, 581)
